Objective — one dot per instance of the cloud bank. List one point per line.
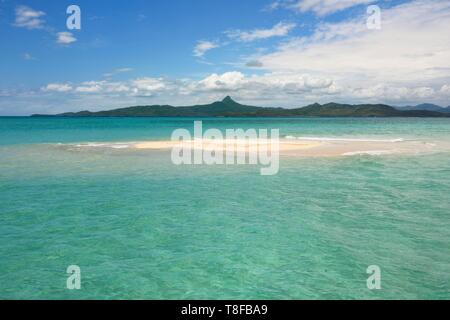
(406, 62)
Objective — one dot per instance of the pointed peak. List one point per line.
(228, 99)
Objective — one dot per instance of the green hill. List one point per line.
(230, 108)
(426, 107)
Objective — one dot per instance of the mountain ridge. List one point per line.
(230, 108)
(425, 107)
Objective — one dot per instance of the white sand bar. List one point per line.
(307, 147)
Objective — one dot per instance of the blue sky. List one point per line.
(284, 53)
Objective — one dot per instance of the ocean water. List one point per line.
(140, 227)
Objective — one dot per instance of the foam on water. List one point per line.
(369, 153)
(337, 139)
(113, 145)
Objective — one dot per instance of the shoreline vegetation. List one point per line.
(230, 108)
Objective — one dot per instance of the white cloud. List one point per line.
(148, 85)
(29, 18)
(58, 87)
(395, 94)
(117, 88)
(278, 89)
(121, 70)
(226, 81)
(204, 46)
(446, 89)
(28, 56)
(278, 30)
(146, 91)
(229, 82)
(117, 71)
(267, 87)
(65, 38)
(409, 54)
(136, 87)
(319, 7)
(90, 87)
(103, 87)
(325, 7)
(274, 5)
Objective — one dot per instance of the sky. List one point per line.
(278, 53)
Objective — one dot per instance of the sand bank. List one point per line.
(309, 147)
(223, 145)
(299, 147)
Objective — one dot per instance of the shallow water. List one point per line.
(140, 227)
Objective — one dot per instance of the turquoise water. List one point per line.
(142, 228)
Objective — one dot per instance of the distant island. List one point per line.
(230, 108)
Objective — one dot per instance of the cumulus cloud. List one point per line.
(410, 52)
(90, 87)
(228, 82)
(57, 87)
(141, 86)
(278, 30)
(148, 85)
(65, 38)
(285, 89)
(204, 46)
(267, 87)
(29, 18)
(445, 89)
(103, 87)
(394, 93)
